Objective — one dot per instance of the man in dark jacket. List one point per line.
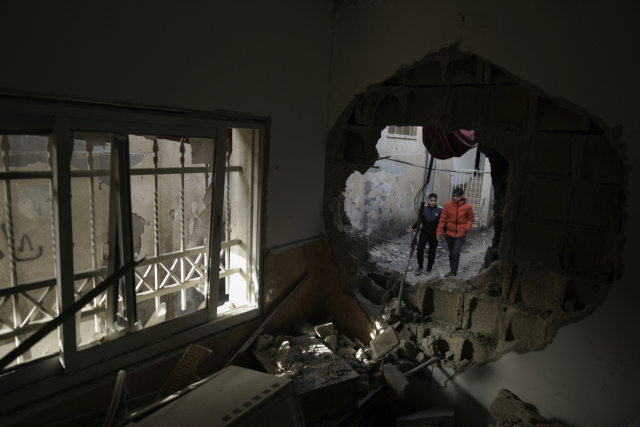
(430, 219)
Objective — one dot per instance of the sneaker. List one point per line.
(451, 273)
(428, 271)
(418, 271)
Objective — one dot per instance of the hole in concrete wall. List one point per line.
(467, 351)
(385, 200)
(545, 266)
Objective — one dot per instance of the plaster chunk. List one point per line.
(505, 406)
(396, 381)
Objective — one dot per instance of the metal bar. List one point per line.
(229, 272)
(8, 230)
(183, 292)
(264, 324)
(92, 226)
(114, 253)
(105, 172)
(67, 314)
(217, 199)
(233, 169)
(169, 289)
(173, 255)
(421, 367)
(15, 175)
(32, 286)
(156, 224)
(62, 150)
(123, 186)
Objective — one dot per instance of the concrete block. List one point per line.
(601, 163)
(332, 342)
(469, 104)
(396, 380)
(539, 288)
(550, 154)
(546, 199)
(374, 293)
(552, 117)
(509, 106)
(582, 198)
(539, 243)
(466, 71)
(427, 74)
(483, 315)
(523, 328)
(425, 106)
(324, 330)
(442, 305)
(505, 406)
(433, 417)
(590, 252)
(579, 294)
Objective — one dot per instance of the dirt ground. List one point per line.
(471, 257)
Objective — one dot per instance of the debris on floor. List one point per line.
(326, 383)
(433, 417)
(471, 257)
(512, 412)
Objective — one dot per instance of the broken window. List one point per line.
(99, 189)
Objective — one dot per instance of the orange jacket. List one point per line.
(458, 217)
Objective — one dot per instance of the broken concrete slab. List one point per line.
(433, 417)
(332, 342)
(283, 357)
(505, 406)
(396, 381)
(324, 330)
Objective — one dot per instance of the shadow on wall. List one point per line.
(546, 267)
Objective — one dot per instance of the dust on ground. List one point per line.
(471, 256)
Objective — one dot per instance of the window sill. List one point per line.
(401, 136)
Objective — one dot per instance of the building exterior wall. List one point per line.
(381, 202)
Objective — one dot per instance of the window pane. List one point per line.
(168, 206)
(91, 212)
(26, 245)
(392, 129)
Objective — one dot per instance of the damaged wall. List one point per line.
(564, 245)
(381, 202)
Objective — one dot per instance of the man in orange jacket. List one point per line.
(457, 215)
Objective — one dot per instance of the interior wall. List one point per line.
(254, 57)
(587, 376)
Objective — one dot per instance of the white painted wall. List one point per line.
(589, 375)
(251, 56)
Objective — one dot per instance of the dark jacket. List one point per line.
(457, 217)
(430, 219)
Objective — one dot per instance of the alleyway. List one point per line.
(471, 258)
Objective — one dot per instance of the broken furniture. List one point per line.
(327, 386)
(234, 397)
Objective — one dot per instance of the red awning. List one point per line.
(449, 144)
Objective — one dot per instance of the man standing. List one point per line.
(457, 216)
(430, 218)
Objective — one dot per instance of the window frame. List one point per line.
(402, 136)
(60, 119)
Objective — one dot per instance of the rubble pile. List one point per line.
(512, 412)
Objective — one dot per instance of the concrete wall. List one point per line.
(587, 376)
(381, 202)
(264, 59)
